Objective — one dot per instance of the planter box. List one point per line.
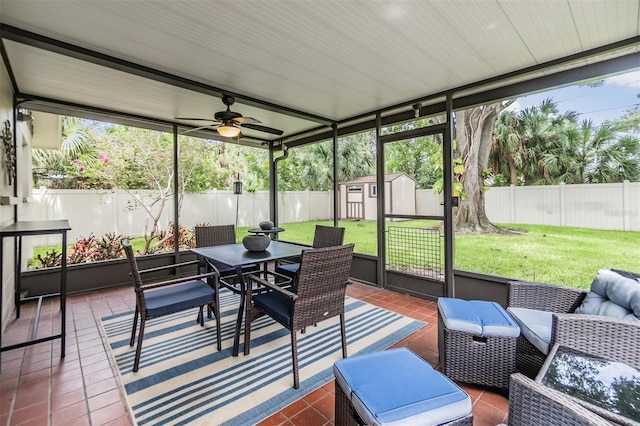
(112, 273)
(96, 275)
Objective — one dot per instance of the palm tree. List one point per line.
(601, 156)
(507, 150)
(548, 147)
(75, 154)
(317, 167)
(534, 143)
(356, 156)
(543, 130)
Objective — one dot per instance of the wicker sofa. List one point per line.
(610, 337)
(579, 331)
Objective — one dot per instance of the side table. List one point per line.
(26, 228)
(477, 341)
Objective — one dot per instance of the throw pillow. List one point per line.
(612, 295)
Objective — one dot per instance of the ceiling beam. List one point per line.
(54, 106)
(56, 46)
(595, 70)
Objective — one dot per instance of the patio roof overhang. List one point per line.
(303, 66)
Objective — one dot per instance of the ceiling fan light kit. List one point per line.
(228, 131)
(229, 123)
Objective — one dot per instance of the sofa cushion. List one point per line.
(612, 295)
(535, 325)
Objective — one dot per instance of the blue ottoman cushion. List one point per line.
(477, 317)
(397, 387)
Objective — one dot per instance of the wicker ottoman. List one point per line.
(476, 341)
(397, 387)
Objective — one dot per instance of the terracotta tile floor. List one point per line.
(37, 387)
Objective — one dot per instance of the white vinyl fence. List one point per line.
(100, 212)
(597, 206)
(611, 206)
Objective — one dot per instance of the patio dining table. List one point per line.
(237, 256)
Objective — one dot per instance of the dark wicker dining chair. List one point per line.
(159, 298)
(324, 236)
(320, 292)
(217, 235)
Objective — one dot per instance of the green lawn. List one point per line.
(551, 254)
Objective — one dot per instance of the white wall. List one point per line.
(6, 211)
(373, 202)
(23, 183)
(402, 196)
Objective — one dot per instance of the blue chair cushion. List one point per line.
(228, 271)
(535, 326)
(288, 269)
(276, 305)
(178, 297)
(477, 317)
(398, 387)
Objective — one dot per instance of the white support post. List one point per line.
(626, 205)
(512, 203)
(563, 204)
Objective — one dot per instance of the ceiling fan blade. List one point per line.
(247, 120)
(263, 129)
(194, 119)
(212, 127)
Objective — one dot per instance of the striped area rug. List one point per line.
(184, 380)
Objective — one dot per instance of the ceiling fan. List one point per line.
(228, 123)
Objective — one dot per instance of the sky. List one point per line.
(612, 100)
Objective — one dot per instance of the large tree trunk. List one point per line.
(474, 131)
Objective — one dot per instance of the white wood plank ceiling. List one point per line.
(334, 59)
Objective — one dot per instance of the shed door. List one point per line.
(355, 202)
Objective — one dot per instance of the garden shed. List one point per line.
(358, 197)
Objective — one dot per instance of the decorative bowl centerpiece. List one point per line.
(266, 225)
(256, 242)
